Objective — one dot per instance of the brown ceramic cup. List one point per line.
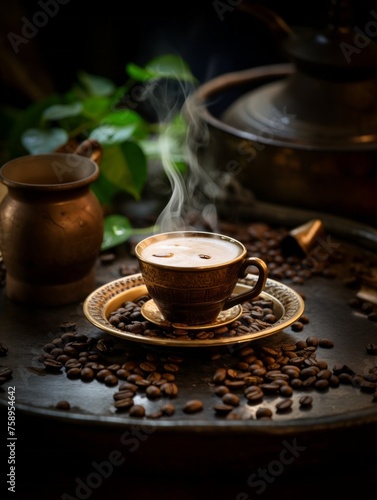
(191, 275)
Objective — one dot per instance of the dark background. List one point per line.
(101, 38)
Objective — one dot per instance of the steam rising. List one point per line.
(193, 192)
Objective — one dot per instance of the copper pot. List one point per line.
(300, 134)
(51, 227)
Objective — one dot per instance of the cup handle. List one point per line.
(258, 287)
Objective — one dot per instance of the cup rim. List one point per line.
(193, 232)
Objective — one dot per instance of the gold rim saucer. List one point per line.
(288, 308)
(151, 313)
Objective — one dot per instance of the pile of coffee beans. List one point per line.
(257, 315)
(241, 381)
(259, 373)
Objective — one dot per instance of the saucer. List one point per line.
(151, 312)
(288, 307)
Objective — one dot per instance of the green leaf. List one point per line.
(138, 73)
(95, 107)
(125, 166)
(60, 111)
(166, 66)
(37, 141)
(96, 85)
(117, 230)
(123, 117)
(104, 190)
(108, 135)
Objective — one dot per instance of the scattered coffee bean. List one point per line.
(63, 405)
(222, 408)
(305, 401)
(137, 411)
(263, 413)
(193, 406)
(284, 405)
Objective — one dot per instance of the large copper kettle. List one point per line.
(302, 133)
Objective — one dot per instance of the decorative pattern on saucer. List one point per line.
(288, 307)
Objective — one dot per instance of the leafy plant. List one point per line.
(127, 121)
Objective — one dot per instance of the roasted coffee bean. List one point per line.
(322, 384)
(222, 409)
(231, 399)
(367, 386)
(53, 365)
(154, 377)
(286, 390)
(334, 381)
(296, 383)
(170, 389)
(128, 386)
(74, 373)
(309, 381)
(124, 403)
(114, 367)
(126, 394)
(324, 374)
(254, 393)
(297, 326)
(168, 409)
(148, 366)
(284, 405)
(193, 406)
(326, 343)
(345, 378)
(271, 388)
(111, 380)
(305, 401)
(87, 374)
(153, 392)
(68, 337)
(312, 341)
(219, 376)
(235, 384)
(122, 374)
(63, 358)
(137, 411)
(66, 326)
(48, 347)
(171, 367)
(57, 351)
(262, 413)
(220, 390)
(102, 374)
(310, 371)
(63, 405)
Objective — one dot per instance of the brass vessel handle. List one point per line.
(89, 148)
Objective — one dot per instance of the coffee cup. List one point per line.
(191, 275)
